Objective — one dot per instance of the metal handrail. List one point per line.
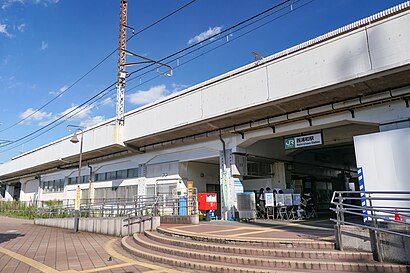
(376, 229)
(402, 211)
(133, 209)
(374, 217)
(160, 203)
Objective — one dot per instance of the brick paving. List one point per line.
(321, 229)
(62, 250)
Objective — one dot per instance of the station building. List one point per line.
(286, 121)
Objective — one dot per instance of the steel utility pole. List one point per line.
(122, 53)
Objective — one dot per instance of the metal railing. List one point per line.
(141, 205)
(148, 206)
(376, 211)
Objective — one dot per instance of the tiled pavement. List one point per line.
(321, 229)
(25, 247)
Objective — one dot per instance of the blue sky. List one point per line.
(47, 45)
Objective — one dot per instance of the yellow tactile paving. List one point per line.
(28, 261)
(305, 226)
(108, 248)
(165, 270)
(225, 230)
(105, 268)
(248, 233)
(241, 235)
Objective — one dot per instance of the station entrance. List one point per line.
(313, 171)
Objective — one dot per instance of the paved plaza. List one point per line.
(25, 247)
(265, 230)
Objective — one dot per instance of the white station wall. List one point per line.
(380, 46)
(377, 47)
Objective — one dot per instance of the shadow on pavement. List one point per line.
(4, 237)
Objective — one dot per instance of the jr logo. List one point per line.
(289, 143)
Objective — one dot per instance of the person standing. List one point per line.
(262, 202)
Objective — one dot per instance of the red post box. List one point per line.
(207, 201)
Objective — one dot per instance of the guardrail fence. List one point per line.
(138, 206)
(379, 212)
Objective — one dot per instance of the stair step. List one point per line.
(129, 245)
(285, 243)
(260, 251)
(211, 266)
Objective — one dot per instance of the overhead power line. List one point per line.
(214, 41)
(220, 33)
(95, 67)
(100, 95)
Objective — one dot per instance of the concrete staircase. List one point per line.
(217, 254)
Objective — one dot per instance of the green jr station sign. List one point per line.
(303, 141)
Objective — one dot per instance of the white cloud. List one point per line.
(8, 3)
(59, 91)
(178, 87)
(21, 27)
(204, 35)
(44, 45)
(92, 121)
(146, 96)
(31, 114)
(13, 82)
(82, 113)
(107, 102)
(3, 30)
(72, 112)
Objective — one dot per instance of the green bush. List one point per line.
(17, 209)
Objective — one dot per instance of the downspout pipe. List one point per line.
(224, 149)
(91, 172)
(90, 185)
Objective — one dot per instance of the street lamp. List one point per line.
(75, 140)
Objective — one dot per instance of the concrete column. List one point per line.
(279, 179)
(9, 193)
(2, 191)
(227, 185)
(29, 189)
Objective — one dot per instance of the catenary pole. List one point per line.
(121, 62)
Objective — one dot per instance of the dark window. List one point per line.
(132, 172)
(72, 180)
(85, 178)
(121, 174)
(100, 177)
(112, 175)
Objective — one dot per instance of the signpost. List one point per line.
(303, 141)
(77, 207)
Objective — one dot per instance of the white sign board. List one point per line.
(211, 198)
(384, 161)
(269, 199)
